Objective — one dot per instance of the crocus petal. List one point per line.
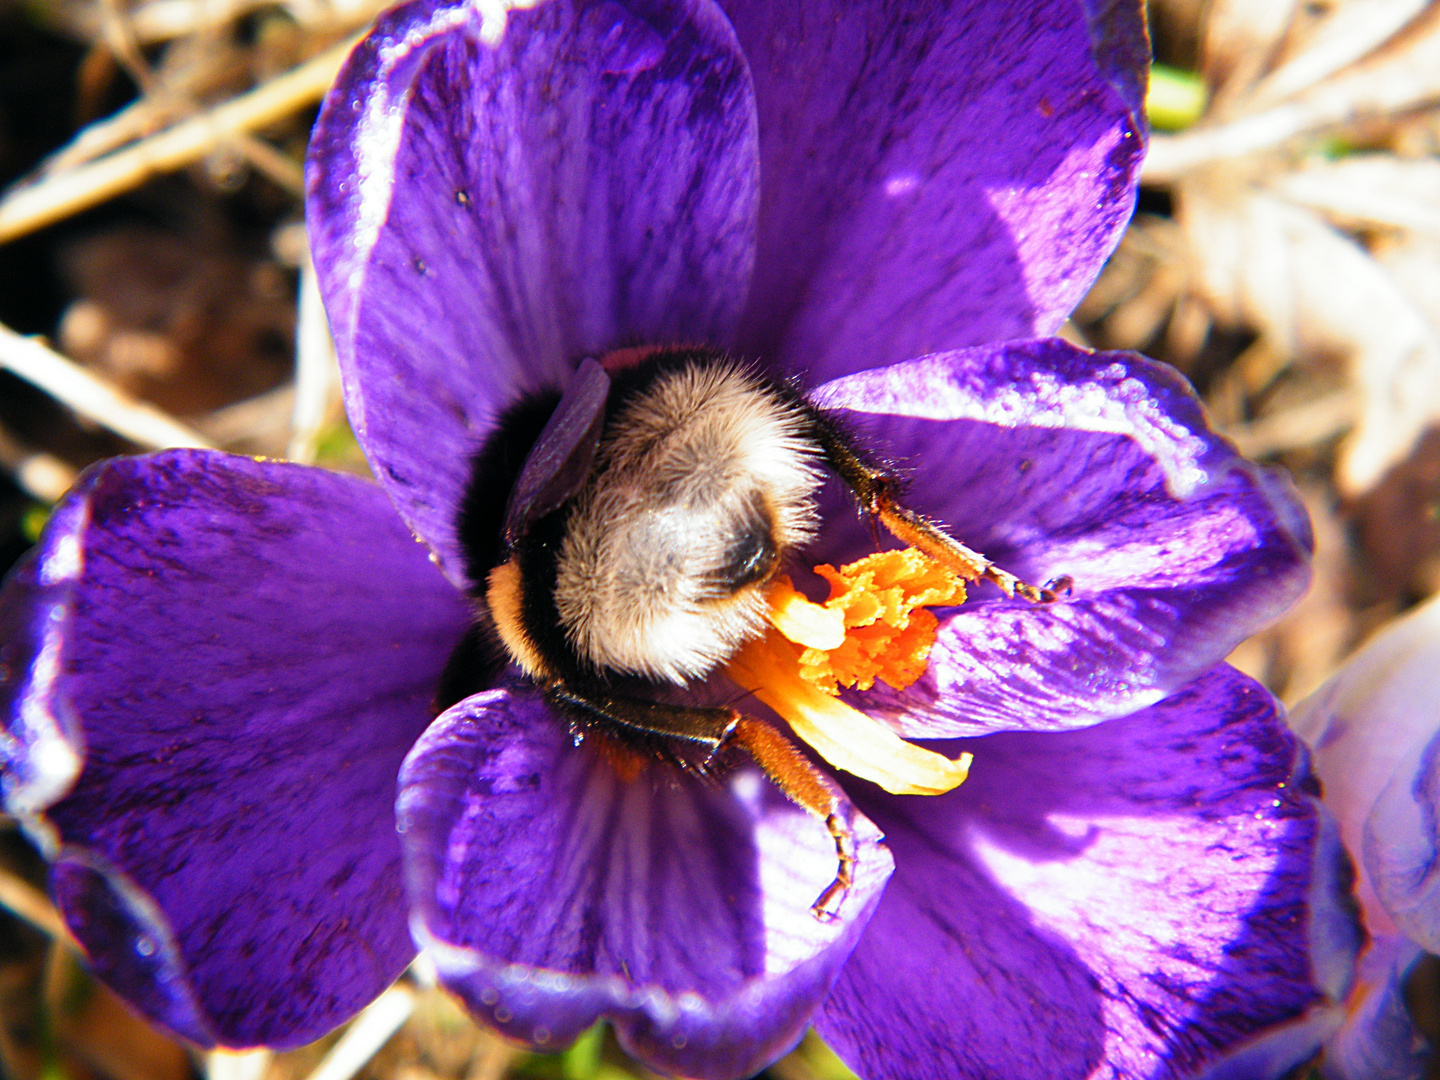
(1375, 729)
(551, 887)
(40, 747)
(241, 653)
(1056, 461)
(493, 196)
(1378, 1040)
(934, 177)
(1122, 48)
(1146, 897)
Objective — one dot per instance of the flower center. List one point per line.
(874, 625)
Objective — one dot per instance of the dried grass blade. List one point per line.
(91, 396)
(62, 194)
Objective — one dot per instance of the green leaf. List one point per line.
(582, 1060)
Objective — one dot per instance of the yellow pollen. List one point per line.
(873, 626)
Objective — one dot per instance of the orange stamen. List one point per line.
(873, 626)
(876, 618)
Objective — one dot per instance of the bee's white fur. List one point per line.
(679, 472)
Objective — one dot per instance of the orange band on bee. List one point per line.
(503, 596)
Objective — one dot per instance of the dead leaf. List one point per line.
(1343, 35)
(1240, 37)
(1317, 293)
(1403, 72)
(1366, 190)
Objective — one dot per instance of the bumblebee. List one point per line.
(619, 539)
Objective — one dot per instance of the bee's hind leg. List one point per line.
(910, 528)
(810, 789)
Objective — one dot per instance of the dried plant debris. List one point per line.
(179, 297)
(188, 327)
(1287, 259)
(1304, 201)
(1297, 654)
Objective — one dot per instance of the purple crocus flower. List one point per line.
(215, 666)
(1375, 731)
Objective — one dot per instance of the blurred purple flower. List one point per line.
(1374, 728)
(215, 666)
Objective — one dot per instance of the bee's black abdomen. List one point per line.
(473, 666)
(494, 470)
(479, 657)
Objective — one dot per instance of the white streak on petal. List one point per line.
(1111, 402)
(63, 562)
(44, 762)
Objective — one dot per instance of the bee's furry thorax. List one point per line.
(704, 483)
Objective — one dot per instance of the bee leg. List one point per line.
(874, 488)
(808, 788)
(910, 528)
(694, 732)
